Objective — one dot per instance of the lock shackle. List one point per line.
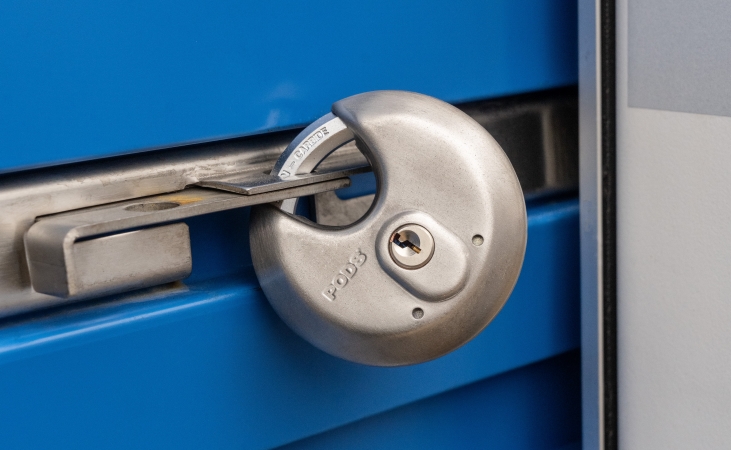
(311, 146)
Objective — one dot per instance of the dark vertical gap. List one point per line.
(609, 219)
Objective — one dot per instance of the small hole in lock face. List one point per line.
(418, 313)
(477, 240)
(149, 207)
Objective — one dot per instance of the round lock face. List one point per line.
(430, 264)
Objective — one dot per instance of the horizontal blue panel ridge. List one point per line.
(533, 407)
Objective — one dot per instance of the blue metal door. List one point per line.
(207, 363)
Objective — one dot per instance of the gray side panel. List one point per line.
(673, 248)
(680, 55)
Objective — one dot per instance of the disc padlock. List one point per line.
(432, 261)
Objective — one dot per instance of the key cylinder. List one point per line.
(412, 246)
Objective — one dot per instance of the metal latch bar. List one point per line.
(255, 181)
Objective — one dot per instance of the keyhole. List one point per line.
(396, 239)
(411, 246)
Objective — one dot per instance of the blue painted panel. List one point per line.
(84, 79)
(210, 365)
(534, 407)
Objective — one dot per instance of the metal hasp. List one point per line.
(437, 170)
(91, 252)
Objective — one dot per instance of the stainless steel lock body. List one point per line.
(448, 204)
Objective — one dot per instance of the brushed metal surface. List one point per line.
(333, 211)
(117, 263)
(436, 165)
